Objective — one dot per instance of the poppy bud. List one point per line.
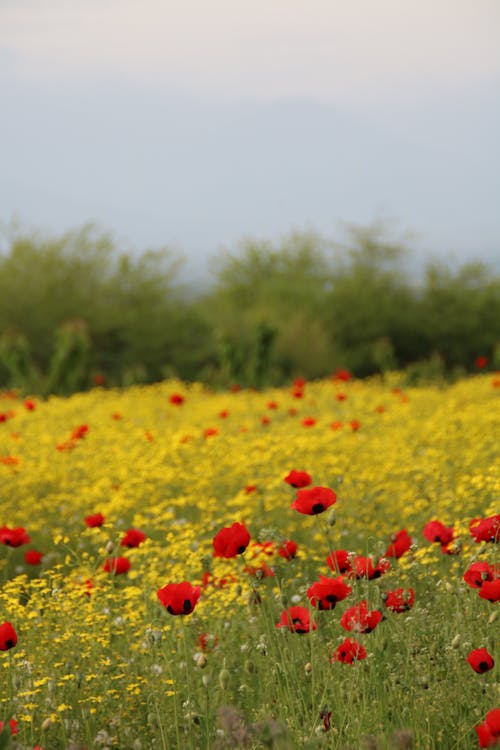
(110, 547)
(201, 661)
(224, 678)
(46, 724)
(331, 518)
(250, 666)
(456, 641)
(206, 680)
(308, 668)
(492, 618)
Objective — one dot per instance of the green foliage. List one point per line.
(301, 306)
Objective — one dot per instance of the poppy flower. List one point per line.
(133, 538)
(297, 620)
(480, 660)
(94, 521)
(79, 432)
(359, 620)
(325, 593)
(207, 641)
(176, 399)
(400, 543)
(288, 549)
(490, 590)
(308, 422)
(179, 598)
(298, 479)
(348, 652)
(117, 565)
(479, 572)
(299, 383)
(231, 541)
(485, 529)
(343, 375)
(250, 488)
(210, 432)
(336, 425)
(399, 600)
(272, 405)
(12, 724)
(8, 636)
(380, 409)
(265, 420)
(298, 393)
(355, 424)
(340, 396)
(488, 732)
(435, 531)
(29, 404)
(481, 362)
(99, 379)
(363, 567)
(339, 561)
(32, 557)
(223, 414)
(312, 501)
(14, 537)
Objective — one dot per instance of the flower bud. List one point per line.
(110, 547)
(201, 661)
(308, 668)
(224, 678)
(456, 641)
(331, 518)
(46, 724)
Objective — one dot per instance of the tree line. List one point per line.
(75, 311)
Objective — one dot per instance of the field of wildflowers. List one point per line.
(310, 567)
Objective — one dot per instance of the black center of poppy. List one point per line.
(170, 609)
(317, 508)
(241, 549)
(331, 598)
(483, 666)
(297, 621)
(187, 606)
(10, 643)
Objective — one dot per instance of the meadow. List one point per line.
(344, 621)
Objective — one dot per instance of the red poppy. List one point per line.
(299, 383)
(262, 548)
(223, 414)
(308, 422)
(297, 620)
(481, 362)
(380, 409)
(12, 725)
(363, 567)
(339, 561)
(95, 520)
(336, 425)
(272, 405)
(355, 424)
(325, 593)
(288, 549)
(8, 636)
(29, 404)
(399, 600)
(14, 537)
(176, 399)
(400, 543)
(260, 571)
(117, 565)
(480, 660)
(490, 590)
(488, 732)
(210, 432)
(343, 375)
(479, 572)
(235, 388)
(207, 641)
(250, 488)
(340, 396)
(348, 652)
(359, 620)
(79, 432)
(99, 379)
(485, 529)
(32, 557)
(231, 541)
(133, 538)
(179, 598)
(312, 501)
(298, 393)
(435, 531)
(116, 416)
(298, 479)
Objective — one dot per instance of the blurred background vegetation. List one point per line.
(76, 312)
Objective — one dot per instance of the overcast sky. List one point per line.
(198, 123)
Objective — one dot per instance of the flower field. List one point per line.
(310, 567)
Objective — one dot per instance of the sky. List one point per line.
(198, 124)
